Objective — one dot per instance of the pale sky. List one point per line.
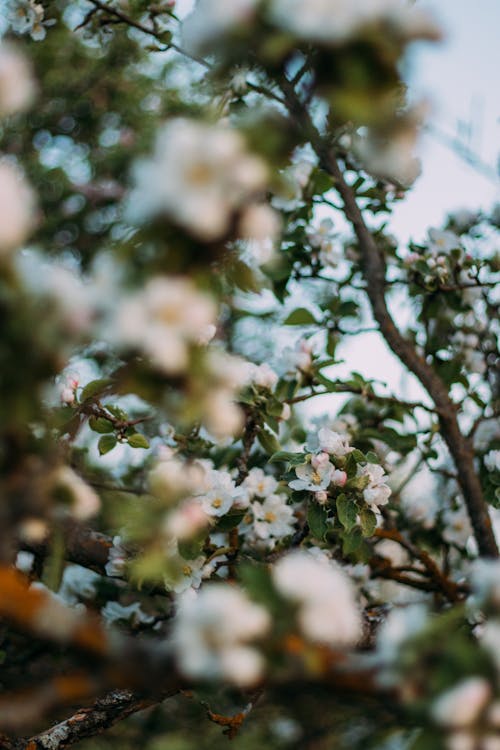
(460, 78)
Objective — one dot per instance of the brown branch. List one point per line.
(87, 722)
(452, 591)
(374, 271)
(122, 17)
(83, 546)
(459, 446)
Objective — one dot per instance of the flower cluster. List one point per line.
(327, 609)
(212, 633)
(268, 517)
(200, 176)
(28, 17)
(165, 320)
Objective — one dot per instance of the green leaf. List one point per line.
(106, 444)
(100, 424)
(300, 317)
(368, 521)
(295, 459)
(95, 388)
(317, 518)
(358, 456)
(268, 441)
(231, 520)
(352, 541)
(136, 440)
(346, 512)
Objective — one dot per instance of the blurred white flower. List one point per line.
(461, 705)
(257, 482)
(222, 416)
(17, 208)
(17, 85)
(328, 612)
(211, 633)
(199, 176)
(492, 460)
(457, 528)
(442, 241)
(85, 501)
(263, 375)
(163, 320)
(117, 559)
(188, 520)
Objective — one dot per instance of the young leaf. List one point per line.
(317, 519)
(300, 317)
(368, 521)
(346, 512)
(106, 444)
(138, 441)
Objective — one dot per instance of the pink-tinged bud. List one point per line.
(67, 396)
(286, 412)
(412, 258)
(339, 478)
(321, 497)
(188, 520)
(320, 460)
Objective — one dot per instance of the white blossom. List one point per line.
(199, 176)
(117, 559)
(188, 520)
(85, 502)
(172, 477)
(457, 528)
(273, 517)
(17, 86)
(297, 359)
(335, 443)
(376, 492)
(212, 631)
(328, 612)
(460, 706)
(492, 460)
(261, 224)
(263, 375)
(257, 482)
(311, 478)
(442, 241)
(17, 208)
(221, 495)
(188, 574)
(28, 17)
(164, 320)
(222, 416)
(78, 583)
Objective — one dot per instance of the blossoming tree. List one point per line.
(194, 221)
